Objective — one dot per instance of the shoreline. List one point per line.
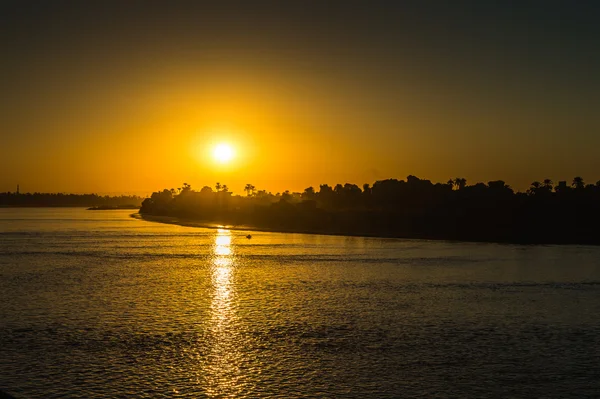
(211, 225)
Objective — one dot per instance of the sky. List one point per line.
(130, 96)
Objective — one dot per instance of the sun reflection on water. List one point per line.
(222, 368)
(223, 243)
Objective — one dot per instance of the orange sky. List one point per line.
(118, 99)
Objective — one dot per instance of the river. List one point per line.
(97, 304)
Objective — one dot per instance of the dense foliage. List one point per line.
(398, 208)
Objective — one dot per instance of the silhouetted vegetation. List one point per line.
(565, 213)
(66, 200)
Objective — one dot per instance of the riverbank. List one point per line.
(211, 225)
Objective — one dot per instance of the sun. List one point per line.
(223, 153)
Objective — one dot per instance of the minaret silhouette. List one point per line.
(17, 189)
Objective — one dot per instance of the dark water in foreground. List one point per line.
(97, 304)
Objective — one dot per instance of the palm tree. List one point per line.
(460, 183)
(249, 189)
(547, 186)
(535, 188)
(218, 186)
(578, 183)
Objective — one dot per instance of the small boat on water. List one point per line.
(249, 236)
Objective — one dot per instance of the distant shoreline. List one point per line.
(44, 206)
(112, 208)
(87, 207)
(66, 200)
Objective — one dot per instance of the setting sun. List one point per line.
(223, 153)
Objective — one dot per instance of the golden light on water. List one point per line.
(222, 278)
(223, 245)
(222, 371)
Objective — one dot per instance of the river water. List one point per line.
(97, 304)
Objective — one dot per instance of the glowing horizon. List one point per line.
(125, 110)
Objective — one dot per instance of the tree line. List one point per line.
(9, 199)
(411, 208)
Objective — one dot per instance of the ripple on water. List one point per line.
(95, 306)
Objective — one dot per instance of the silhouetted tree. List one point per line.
(460, 183)
(578, 183)
(186, 188)
(499, 187)
(325, 189)
(309, 193)
(535, 187)
(286, 196)
(561, 187)
(249, 189)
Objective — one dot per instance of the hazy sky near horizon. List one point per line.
(128, 96)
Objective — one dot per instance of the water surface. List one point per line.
(98, 304)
